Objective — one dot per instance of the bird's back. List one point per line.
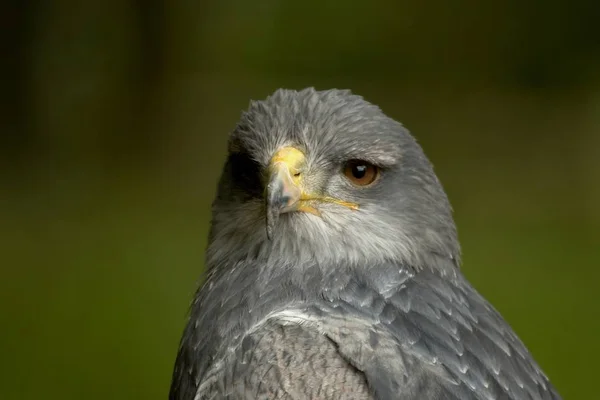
(406, 334)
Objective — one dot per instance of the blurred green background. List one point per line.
(115, 116)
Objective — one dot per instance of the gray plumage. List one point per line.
(349, 304)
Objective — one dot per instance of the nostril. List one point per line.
(297, 174)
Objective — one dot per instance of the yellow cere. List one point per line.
(294, 160)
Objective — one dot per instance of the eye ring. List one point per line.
(361, 173)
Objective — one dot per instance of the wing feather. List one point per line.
(449, 334)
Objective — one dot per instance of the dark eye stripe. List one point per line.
(246, 174)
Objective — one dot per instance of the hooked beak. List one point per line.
(285, 188)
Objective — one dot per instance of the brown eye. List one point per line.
(361, 173)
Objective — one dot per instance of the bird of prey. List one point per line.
(333, 270)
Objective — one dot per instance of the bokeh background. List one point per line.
(114, 119)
